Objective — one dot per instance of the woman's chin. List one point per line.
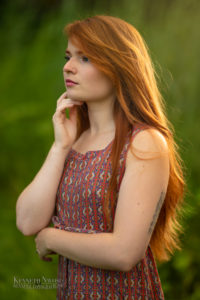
(75, 97)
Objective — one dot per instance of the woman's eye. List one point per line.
(84, 58)
(67, 57)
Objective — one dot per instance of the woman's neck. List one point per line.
(101, 117)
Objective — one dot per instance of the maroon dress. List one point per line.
(80, 195)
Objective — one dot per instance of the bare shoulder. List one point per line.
(148, 143)
(150, 140)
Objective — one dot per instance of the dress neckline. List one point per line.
(94, 153)
(91, 152)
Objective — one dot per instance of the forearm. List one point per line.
(101, 250)
(36, 203)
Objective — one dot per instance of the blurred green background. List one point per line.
(32, 57)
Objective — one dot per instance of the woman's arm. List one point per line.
(36, 203)
(141, 196)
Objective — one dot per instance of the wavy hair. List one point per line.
(117, 49)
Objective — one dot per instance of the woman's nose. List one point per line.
(70, 66)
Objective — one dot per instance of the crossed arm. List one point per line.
(141, 196)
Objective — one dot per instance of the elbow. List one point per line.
(24, 229)
(124, 266)
(20, 222)
(27, 226)
(28, 229)
(21, 225)
(26, 232)
(128, 262)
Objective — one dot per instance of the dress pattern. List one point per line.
(79, 207)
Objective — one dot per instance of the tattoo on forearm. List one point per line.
(156, 213)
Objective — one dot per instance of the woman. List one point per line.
(113, 171)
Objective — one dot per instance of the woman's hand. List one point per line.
(65, 129)
(41, 241)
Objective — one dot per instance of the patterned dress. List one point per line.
(80, 195)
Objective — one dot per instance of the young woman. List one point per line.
(113, 172)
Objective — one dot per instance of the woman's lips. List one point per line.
(70, 82)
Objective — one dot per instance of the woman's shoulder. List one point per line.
(147, 141)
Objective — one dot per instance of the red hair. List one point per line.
(117, 49)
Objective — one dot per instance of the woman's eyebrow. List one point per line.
(76, 52)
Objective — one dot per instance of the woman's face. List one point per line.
(84, 82)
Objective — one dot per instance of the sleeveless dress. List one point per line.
(79, 208)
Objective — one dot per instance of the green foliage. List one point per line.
(30, 83)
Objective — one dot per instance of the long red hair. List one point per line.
(117, 49)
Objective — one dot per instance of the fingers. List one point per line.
(66, 103)
(46, 258)
(60, 111)
(64, 100)
(70, 101)
(63, 104)
(62, 107)
(63, 96)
